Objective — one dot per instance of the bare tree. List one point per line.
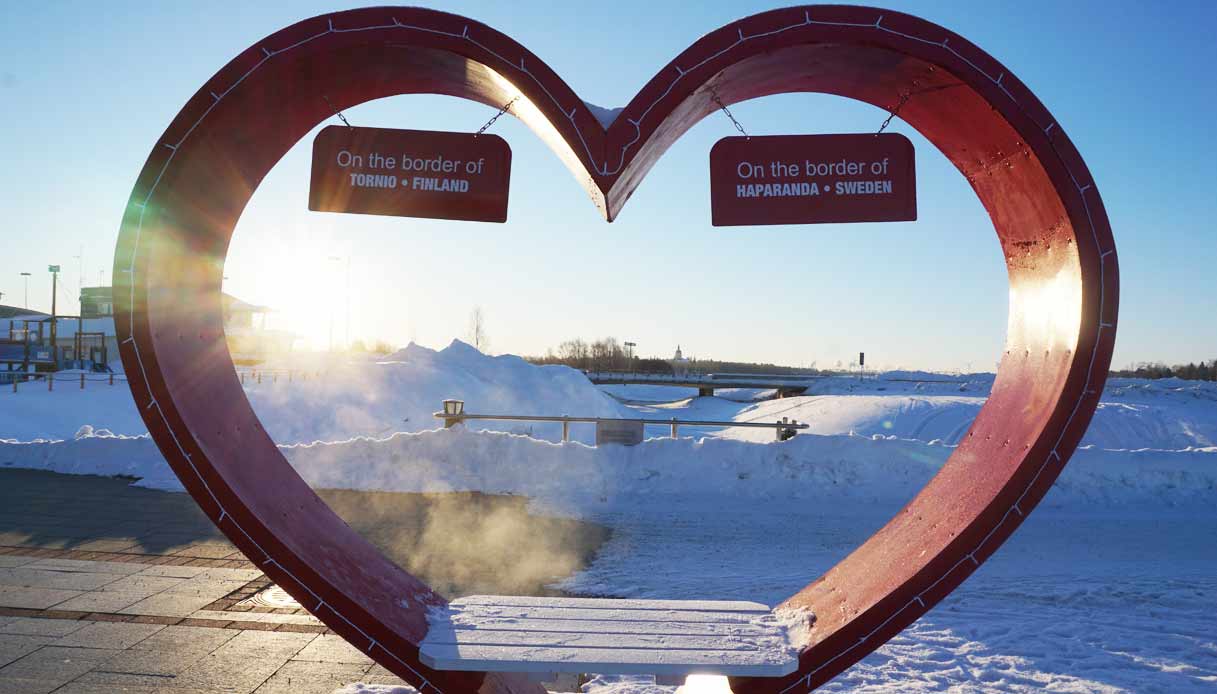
(477, 329)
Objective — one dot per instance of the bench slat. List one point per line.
(616, 603)
(621, 661)
(467, 622)
(480, 637)
(479, 612)
(658, 637)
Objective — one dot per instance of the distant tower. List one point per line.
(680, 365)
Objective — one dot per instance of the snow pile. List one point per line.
(354, 397)
(402, 391)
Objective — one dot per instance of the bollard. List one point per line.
(82, 381)
(674, 427)
(274, 378)
(14, 384)
(565, 429)
(50, 382)
(111, 378)
(259, 377)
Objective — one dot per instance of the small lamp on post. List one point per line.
(453, 409)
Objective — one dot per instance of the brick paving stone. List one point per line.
(143, 668)
(378, 674)
(56, 628)
(55, 664)
(13, 646)
(182, 638)
(21, 685)
(172, 571)
(332, 649)
(300, 677)
(82, 687)
(86, 566)
(34, 598)
(168, 605)
(145, 584)
(102, 601)
(111, 635)
(118, 544)
(13, 561)
(241, 665)
(29, 576)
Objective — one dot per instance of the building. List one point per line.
(89, 341)
(96, 302)
(680, 365)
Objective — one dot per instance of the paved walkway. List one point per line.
(110, 588)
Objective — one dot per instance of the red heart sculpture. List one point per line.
(1048, 215)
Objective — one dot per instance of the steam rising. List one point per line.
(468, 543)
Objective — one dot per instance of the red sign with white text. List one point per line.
(410, 173)
(812, 179)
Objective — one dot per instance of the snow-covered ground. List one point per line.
(1111, 586)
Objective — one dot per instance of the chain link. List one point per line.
(904, 98)
(506, 107)
(721, 105)
(337, 112)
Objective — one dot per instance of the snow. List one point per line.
(353, 397)
(1110, 586)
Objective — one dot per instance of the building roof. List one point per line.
(10, 312)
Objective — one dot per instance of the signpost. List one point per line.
(812, 179)
(410, 173)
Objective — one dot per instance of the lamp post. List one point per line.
(26, 275)
(54, 270)
(453, 409)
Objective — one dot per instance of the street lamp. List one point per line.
(26, 275)
(54, 270)
(453, 409)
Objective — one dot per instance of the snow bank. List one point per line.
(828, 470)
(353, 397)
(400, 393)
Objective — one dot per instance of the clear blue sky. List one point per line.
(86, 90)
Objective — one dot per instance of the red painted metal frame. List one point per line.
(1047, 213)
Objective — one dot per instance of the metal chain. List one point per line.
(503, 110)
(904, 98)
(337, 112)
(721, 105)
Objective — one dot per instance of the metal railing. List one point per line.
(786, 429)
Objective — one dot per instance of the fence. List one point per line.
(784, 428)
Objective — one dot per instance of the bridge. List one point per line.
(785, 384)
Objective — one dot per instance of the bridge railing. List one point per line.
(726, 379)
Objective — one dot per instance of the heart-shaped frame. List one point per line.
(1048, 215)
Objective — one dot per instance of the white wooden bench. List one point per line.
(495, 633)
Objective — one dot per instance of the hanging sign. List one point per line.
(410, 173)
(812, 179)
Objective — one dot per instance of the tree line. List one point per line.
(1191, 371)
(609, 354)
(605, 354)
